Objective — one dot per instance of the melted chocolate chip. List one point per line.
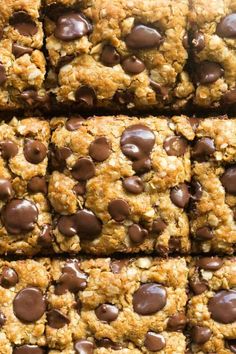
(74, 123)
(8, 149)
(87, 224)
(83, 169)
(117, 265)
(8, 278)
(85, 95)
(29, 304)
(231, 345)
(210, 263)
(175, 145)
(133, 185)
(6, 190)
(80, 188)
(37, 185)
(28, 349)
(158, 226)
(229, 97)
(119, 209)
(107, 313)
(2, 319)
(197, 286)
(204, 233)
(222, 306)
(159, 89)
(19, 50)
(203, 148)
(208, 72)
(67, 225)
(196, 190)
(137, 234)
(19, 216)
(133, 65)
(154, 342)
(228, 180)
(71, 26)
(177, 322)
(227, 26)
(143, 37)
(32, 99)
(107, 343)
(180, 195)
(45, 238)
(200, 334)
(149, 298)
(3, 76)
(83, 346)
(109, 56)
(72, 279)
(99, 149)
(198, 41)
(123, 97)
(66, 59)
(23, 23)
(35, 151)
(56, 319)
(174, 244)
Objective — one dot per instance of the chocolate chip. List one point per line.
(67, 225)
(28, 349)
(119, 209)
(71, 26)
(177, 322)
(3, 76)
(175, 145)
(143, 37)
(45, 238)
(37, 185)
(83, 169)
(85, 95)
(8, 278)
(197, 286)
(174, 244)
(32, 99)
(231, 345)
(29, 304)
(133, 185)
(66, 59)
(210, 263)
(99, 149)
(107, 343)
(19, 50)
(149, 298)
(83, 346)
(229, 97)
(204, 233)
(23, 23)
(6, 190)
(154, 341)
(228, 180)
(80, 188)
(87, 224)
(107, 313)
(194, 122)
(74, 123)
(222, 306)
(208, 72)
(198, 41)
(158, 226)
(196, 190)
(109, 56)
(186, 41)
(142, 166)
(137, 234)
(8, 149)
(72, 279)
(117, 265)
(2, 319)
(200, 334)
(123, 97)
(180, 195)
(35, 151)
(19, 216)
(133, 65)
(203, 148)
(56, 319)
(227, 26)
(160, 89)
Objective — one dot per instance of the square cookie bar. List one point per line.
(125, 306)
(213, 41)
(25, 219)
(119, 184)
(211, 310)
(213, 208)
(22, 63)
(118, 54)
(23, 286)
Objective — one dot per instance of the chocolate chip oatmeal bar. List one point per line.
(213, 40)
(22, 63)
(120, 184)
(212, 308)
(25, 219)
(213, 205)
(118, 54)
